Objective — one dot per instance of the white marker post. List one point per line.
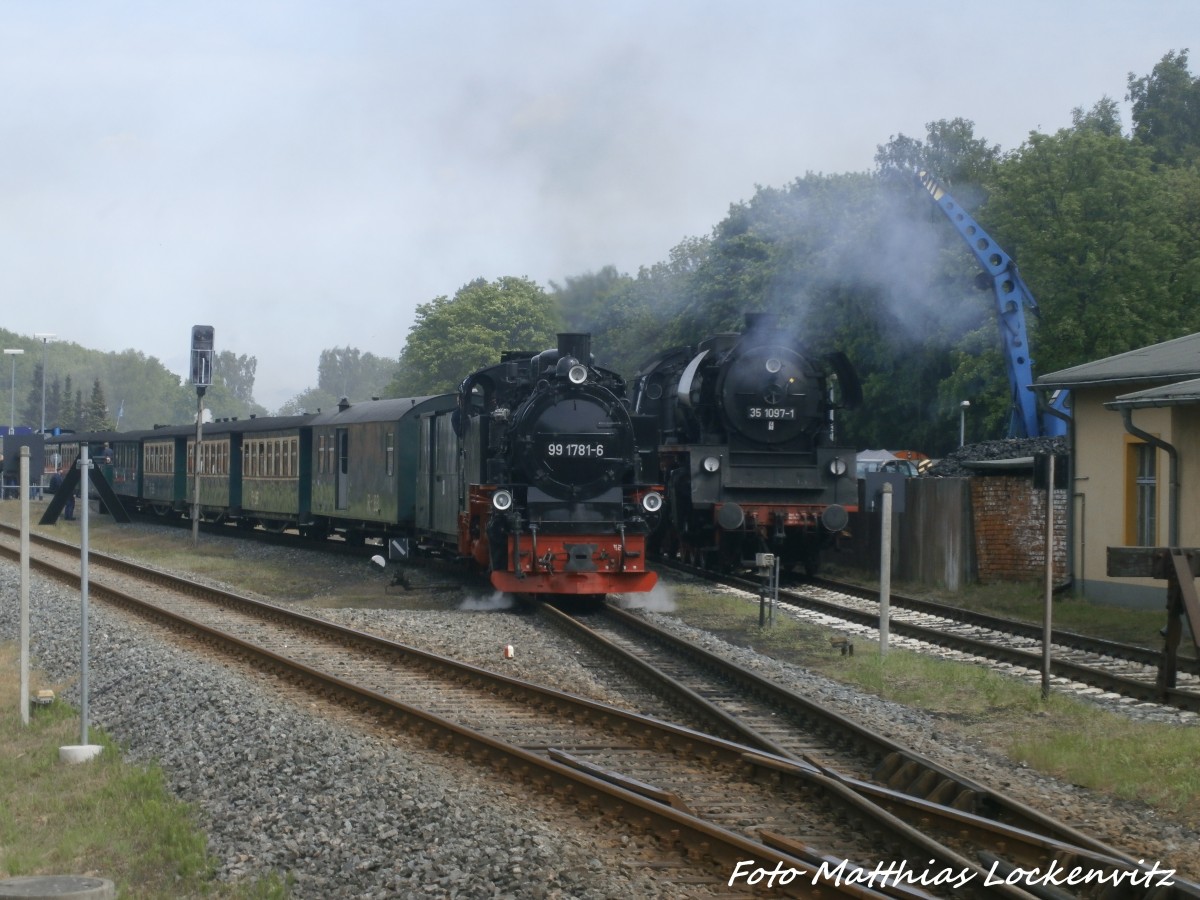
(1047, 628)
(24, 481)
(885, 570)
(84, 751)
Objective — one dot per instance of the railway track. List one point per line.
(1107, 667)
(758, 712)
(723, 806)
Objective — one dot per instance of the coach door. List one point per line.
(343, 469)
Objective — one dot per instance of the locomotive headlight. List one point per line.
(577, 374)
(652, 502)
(502, 500)
(774, 365)
(837, 466)
(711, 464)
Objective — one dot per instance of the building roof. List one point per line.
(1169, 361)
(1182, 393)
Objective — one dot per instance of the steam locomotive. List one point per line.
(531, 470)
(554, 495)
(747, 453)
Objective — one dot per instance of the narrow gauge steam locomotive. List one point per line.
(746, 451)
(531, 470)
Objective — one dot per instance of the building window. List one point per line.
(1142, 521)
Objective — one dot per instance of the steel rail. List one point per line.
(695, 836)
(912, 787)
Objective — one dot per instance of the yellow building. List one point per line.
(1135, 461)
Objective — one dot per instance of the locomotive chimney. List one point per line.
(576, 345)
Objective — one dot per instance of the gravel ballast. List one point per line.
(290, 787)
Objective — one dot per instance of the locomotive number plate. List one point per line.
(771, 412)
(575, 450)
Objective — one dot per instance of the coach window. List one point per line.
(389, 453)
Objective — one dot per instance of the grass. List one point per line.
(227, 561)
(106, 818)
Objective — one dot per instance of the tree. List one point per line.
(33, 403)
(1103, 118)
(67, 417)
(347, 372)
(54, 402)
(584, 300)
(453, 337)
(95, 416)
(950, 151)
(309, 401)
(1166, 110)
(236, 374)
(1093, 227)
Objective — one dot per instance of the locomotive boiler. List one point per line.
(747, 453)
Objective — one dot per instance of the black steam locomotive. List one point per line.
(747, 452)
(554, 494)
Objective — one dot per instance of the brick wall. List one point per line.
(1010, 529)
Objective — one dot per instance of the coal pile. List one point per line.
(954, 465)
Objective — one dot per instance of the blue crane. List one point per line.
(1012, 297)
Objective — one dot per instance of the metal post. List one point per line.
(24, 489)
(12, 416)
(45, 336)
(774, 589)
(1046, 618)
(885, 571)
(196, 468)
(962, 421)
(85, 468)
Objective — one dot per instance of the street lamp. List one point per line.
(962, 421)
(12, 421)
(45, 336)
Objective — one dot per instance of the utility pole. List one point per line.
(46, 338)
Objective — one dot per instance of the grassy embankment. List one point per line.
(1062, 736)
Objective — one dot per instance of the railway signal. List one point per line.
(202, 368)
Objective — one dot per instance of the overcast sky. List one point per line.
(302, 174)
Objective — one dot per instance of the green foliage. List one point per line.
(1166, 110)
(236, 374)
(1086, 215)
(309, 401)
(453, 337)
(346, 372)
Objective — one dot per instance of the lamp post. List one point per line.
(12, 420)
(45, 336)
(962, 421)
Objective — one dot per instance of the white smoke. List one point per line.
(659, 599)
(498, 600)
